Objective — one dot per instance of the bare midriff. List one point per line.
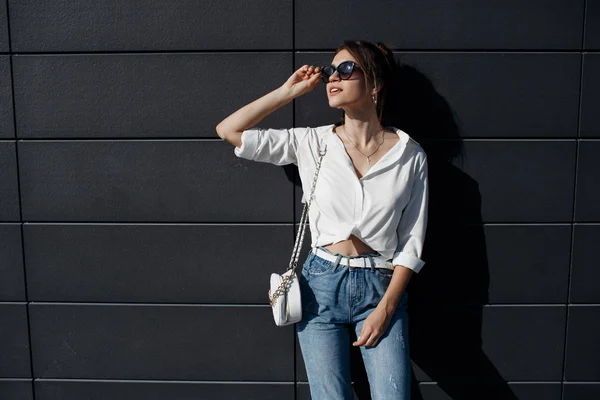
(352, 246)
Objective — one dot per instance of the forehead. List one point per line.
(343, 55)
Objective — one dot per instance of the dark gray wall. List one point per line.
(135, 248)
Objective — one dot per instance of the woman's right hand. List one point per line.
(303, 80)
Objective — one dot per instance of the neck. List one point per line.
(362, 132)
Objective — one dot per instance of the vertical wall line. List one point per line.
(16, 141)
(294, 216)
(574, 207)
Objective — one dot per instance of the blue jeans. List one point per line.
(335, 297)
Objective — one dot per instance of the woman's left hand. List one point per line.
(374, 327)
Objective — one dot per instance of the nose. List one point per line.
(332, 75)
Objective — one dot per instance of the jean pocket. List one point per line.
(316, 266)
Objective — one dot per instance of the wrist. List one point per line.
(388, 305)
(285, 94)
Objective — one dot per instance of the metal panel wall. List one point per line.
(135, 248)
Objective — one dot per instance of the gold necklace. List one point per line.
(368, 160)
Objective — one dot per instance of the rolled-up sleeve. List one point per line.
(413, 223)
(275, 146)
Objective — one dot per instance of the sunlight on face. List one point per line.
(353, 92)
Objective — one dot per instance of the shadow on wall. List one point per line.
(446, 297)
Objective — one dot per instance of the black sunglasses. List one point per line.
(344, 70)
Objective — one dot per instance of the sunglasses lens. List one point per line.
(326, 72)
(345, 70)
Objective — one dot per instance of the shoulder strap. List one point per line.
(304, 217)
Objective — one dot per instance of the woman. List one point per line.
(367, 218)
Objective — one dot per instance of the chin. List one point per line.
(335, 104)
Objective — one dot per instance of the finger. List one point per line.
(361, 340)
(375, 335)
(372, 341)
(302, 70)
(314, 79)
(312, 71)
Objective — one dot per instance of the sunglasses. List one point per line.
(344, 70)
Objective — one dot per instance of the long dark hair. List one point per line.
(379, 68)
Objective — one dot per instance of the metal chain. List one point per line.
(287, 280)
(369, 156)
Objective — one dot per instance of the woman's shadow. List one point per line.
(445, 299)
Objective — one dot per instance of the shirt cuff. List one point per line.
(249, 144)
(409, 261)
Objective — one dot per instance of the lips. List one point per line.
(334, 92)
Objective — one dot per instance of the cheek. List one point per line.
(356, 94)
(359, 89)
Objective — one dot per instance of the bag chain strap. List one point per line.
(286, 282)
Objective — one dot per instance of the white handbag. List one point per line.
(284, 292)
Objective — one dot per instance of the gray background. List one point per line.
(135, 248)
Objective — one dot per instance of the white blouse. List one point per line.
(386, 208)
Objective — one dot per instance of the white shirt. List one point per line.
(386, 208)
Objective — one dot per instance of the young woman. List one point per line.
(367, 218)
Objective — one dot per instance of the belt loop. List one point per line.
(337, 261)
(372, 263)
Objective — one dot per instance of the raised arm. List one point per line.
(302, 81)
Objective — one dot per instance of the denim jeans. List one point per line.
(335, 297)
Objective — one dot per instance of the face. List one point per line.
(352, 93)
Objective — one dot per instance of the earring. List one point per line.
(375, 100)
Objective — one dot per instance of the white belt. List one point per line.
(360, 262)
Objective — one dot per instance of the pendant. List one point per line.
(368, 161)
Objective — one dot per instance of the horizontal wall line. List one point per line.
(16, 379)
(266, 305)
(188, 139)
(158, 381)
(306, 50)
(251, 382)
(296, 223)
(266, 382)
(146, 304)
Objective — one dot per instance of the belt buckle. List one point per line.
(348, 261)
